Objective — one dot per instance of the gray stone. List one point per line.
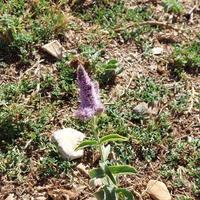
(141, 108)
(55, 49)
(67, 140)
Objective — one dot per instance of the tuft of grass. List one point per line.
(106, 16)
(116, 15)
(14, 163)
(186, 57)
(180, 103)
(21, 31)
(186, 156)
(138, 14)
(183, 198)
(173, 6)
(11, 123)
(52, 164)
(149, 91)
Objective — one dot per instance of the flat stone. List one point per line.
(55, 49)
(141, 108)
(67, 140)
(158, 190)
(157, 50)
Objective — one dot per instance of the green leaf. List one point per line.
(107, 193)
(110, 175)
(112, 62)
(105, 151)
(115, 170)
(112, 138)
(110, 193)
(125, 193)
(86, 143)
(99, 195)
(97, 173)
(122, 169)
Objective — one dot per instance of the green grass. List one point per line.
(36, 105)
(117, 15)
(173, 6)
(180, 104)
(21, 31)
(185, 155)
(25, 113)
(14, 163)
(186, 57)
(149, 91)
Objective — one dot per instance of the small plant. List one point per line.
(20, 32)
(90, 107)
(107, 72)
(14, 163)
(183, 198)
(173, 6)
(52, 164)
(106, 16)
(180, 104)
(138, 14)
(186, 57)
(149, 91)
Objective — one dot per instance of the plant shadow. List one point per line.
(9, 132)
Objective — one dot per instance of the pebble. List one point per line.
(141, 108)
(67, 140)
(157, 50)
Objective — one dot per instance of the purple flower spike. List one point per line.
(89, 96)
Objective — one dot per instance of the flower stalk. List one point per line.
(89, 108)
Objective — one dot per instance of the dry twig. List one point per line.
(31, 68)
(153, 23)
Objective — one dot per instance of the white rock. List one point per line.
(67, 140)
(54, 48)
(10, 197)
(153, 67)
(157, 50)
(158, 190)
(141, 108)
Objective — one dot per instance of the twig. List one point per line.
(191, 100)
(129, 83)
(3, 104)
(28, 70)
(190, 14)
(138, 194)
(166, 25)
(192, 10)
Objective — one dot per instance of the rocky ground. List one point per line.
(145, 55)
